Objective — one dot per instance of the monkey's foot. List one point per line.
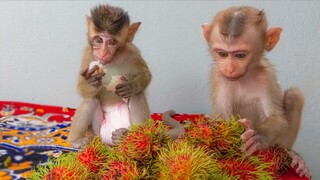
(81, 143)
(299, 165)
(118, 134)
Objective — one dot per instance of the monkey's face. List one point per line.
(105, 45)
(233, 55)
(232, 64)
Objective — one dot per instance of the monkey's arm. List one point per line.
(263, 134)
(141, 80)
(88, 84)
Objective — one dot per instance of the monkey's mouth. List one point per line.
(233, 78)
(105, 60)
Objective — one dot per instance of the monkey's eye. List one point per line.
(223, 54)
(97, 41)
(112, 42)
(240, 55)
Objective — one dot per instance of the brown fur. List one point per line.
(126, 61)
(109, 18)
(254, 93)
(234, 20)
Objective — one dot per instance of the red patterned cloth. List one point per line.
(30, 133)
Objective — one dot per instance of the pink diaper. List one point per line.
(114, 117)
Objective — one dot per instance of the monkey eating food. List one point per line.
(113, 87)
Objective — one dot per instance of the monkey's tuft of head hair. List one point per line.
(236, 19)
(109, 18)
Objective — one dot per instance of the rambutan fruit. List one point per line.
(226, 133)
(221, 136)
(278, 157)
(182, 161)
(119, 167)
(199, 133)
(142, 142)
(65, 167)
(94, 154)
(248, 168)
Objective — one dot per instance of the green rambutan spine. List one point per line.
(278, 157)
(120, 167)
(249, 168)
(143, 142)
(65, 167)
(226, 136)
(180, 161)
(94, 155)
(220, 136)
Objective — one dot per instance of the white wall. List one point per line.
(41, 44)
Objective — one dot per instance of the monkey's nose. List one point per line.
(230, 70)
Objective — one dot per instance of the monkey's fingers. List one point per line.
(120, 131)
(247, 135)
(303, 170)
(306, 172)
(124, 90)
(253, 149)
(245, 123)
(122, 87)
(251, 144)
(84, 72)
(118, 134)
(301, 167)
(95, 81)
(127, 94)
(91, 71)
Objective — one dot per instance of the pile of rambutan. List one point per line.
(209, 149)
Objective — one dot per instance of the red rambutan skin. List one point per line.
(180, 164)
(143, 142)
(279, 158)
(59, 173)
(137, 145)
(91, 158)
(236, 167)
(120, 170)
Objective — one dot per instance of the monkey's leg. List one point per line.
(293, 105)
(81, 121)
(176, 128)
(138, 109)
(293, 102)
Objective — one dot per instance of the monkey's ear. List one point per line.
(132, 31)
(206, 30)
(89, 20)
(273, 36)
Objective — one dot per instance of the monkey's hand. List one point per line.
(299, 165)
(93, 78)
(126, 89)
(118, 134)
(251, 140)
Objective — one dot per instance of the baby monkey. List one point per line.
(243, 81)
(112, 80)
